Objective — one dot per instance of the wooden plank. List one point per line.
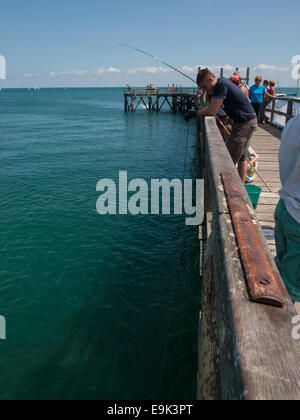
(269, 177)
(265, 217)
(268, 201)
(262, 282)
(267, 225)
(265, 208)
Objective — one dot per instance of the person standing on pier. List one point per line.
(257, 93)
(271, 93)
(266, 84)
(287, 216)
(237, 107)
(237, 81)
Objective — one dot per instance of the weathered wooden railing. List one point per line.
(281, 110)
(247, 351)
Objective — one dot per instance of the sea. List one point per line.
(96, 307)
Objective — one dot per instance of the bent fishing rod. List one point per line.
(159, 60)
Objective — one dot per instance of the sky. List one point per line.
(65, 43)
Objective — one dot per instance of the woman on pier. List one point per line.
(257, 93)
(271, 93)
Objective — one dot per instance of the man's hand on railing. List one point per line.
(190, 115)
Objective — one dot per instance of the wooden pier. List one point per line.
(266, 143)
(246, 349)
(153, 100)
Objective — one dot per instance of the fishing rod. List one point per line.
(159, 60)
(194, 81)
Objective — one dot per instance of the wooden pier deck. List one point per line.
(266, 142)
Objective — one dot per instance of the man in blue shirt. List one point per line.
(237, 107)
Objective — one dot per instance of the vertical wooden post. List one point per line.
(272, 112)
(175, 104)
(290, 110)
(248, 76)
(209, 380)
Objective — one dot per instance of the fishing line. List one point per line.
(172, 290)
(159, 60)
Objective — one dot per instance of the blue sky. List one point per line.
(75, 43)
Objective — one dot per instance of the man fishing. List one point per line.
(237, 107)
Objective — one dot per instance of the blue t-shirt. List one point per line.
(236, 104)
(257, 94)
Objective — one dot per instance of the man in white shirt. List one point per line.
(287, 231)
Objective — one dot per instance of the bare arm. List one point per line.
(246, 91)
(255, 158)
(212, 109)
(271, 96)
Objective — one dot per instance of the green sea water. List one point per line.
(87, 297)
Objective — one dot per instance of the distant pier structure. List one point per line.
(178, 100)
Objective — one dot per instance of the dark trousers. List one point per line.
(263, 111)
(257, 108)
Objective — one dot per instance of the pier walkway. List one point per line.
(266, 142)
